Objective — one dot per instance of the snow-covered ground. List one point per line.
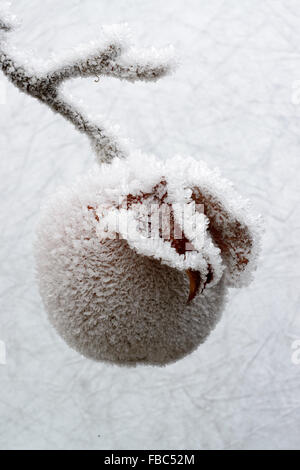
(234, 103)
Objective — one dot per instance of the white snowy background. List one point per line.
(231, 103)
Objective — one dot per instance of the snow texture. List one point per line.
(230, 104)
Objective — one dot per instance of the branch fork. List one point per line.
(114, 58)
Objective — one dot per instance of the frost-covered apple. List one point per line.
(126, 296)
